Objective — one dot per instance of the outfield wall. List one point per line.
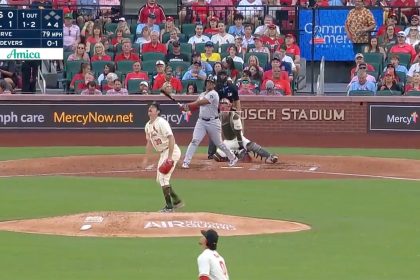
(42, 120)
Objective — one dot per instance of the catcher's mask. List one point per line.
(225, 105)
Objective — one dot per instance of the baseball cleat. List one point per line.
(179, 204)
(233, 162)
(185, 165)
(273, 159)
(166, 209)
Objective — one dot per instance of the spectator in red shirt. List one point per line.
(275, 62)
(151, 7)
(279, 83)
(95, 38)
(127, 53)
(212, 29)
(293, 49)
(391, 20)
(154, 45)
(200, 11)
(402, 47)
(89, 77)
(84, 68)
(99, 53)
(408, 12)
(272, 37)
(168, 77)
(118, 38)
(360, 59)
(136, 74)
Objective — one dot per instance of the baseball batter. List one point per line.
(160, 137)
(208, 122)
(211, 265)
(235, 140)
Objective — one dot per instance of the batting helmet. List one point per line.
(211, 78)
(166, 166)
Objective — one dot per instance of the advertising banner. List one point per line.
(87, 116)
(330, 36)
(394, 118)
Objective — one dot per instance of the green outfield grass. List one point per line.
(361, 229)
(36, 152)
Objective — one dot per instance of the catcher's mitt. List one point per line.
(166, 166)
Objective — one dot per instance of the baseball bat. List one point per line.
(170, 97)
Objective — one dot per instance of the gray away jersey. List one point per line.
(209, 111)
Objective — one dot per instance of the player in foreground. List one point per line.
(235, 140)
(208, 122)
(211, 265)
(159, 136)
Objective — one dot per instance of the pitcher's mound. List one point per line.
(145, 224)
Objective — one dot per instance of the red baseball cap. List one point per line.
(213, 18)
(290, 35)
(169, 19)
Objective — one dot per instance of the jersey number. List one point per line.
(223, 267)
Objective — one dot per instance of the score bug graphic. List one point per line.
(31, 34)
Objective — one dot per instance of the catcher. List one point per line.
(235, 140)
(159, 136)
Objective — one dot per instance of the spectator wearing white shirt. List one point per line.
(251, 14)
(282, 52)
(198, 37)
(248, 38)
(268, 20)
(222, 37)
(414, 68)
(414, 22)
(232, 54)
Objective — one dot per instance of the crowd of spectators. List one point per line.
(105, 53)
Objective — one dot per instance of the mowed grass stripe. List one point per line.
(39, 152)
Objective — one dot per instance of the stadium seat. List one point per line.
(110, 27)
(361, 93)
(185, 48)
(388, 93)
(402, 76)
(238, 66)
(188, 29)
(155, 56)
(125, 66)
(98, 66)
(224, 47)
(262, 57)
(135, 46)
(405, 58)
(374, 58)
(184, 65)
(200, 47)
(133, 85)
(413, 93)
(199, 83)
(149, 66)
(72, 68)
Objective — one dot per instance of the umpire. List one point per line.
(226, 89)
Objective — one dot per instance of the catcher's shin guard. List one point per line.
(259, 151)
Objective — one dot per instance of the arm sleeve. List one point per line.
(203, 266)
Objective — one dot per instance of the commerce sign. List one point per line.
(330, 37)
(394, 118)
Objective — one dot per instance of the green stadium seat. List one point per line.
(405, 59)
(149, 66)
(262, 57)
(72, 68)
(125, 66)
(133, 85)
(188, 29)
(224, 47)
(413, 93)
(361, 93)
(388, 93)
(155, 56)
(200, 47)
(98, 66)
(184, 65)
(199, 83)
(374, 58)
(110, 27)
